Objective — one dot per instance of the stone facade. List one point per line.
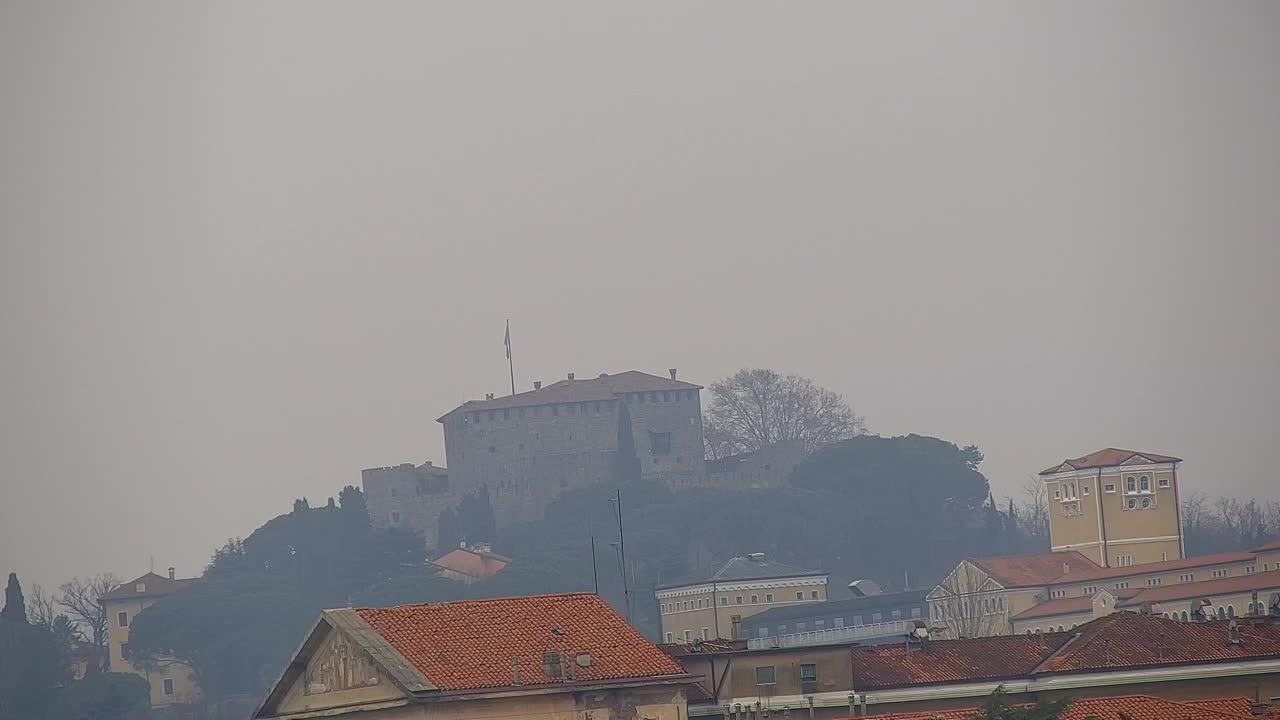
(408, 497)
(768, 467)
(530, 447)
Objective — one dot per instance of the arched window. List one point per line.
(1185, 617)
(1231, 611)
(1075, 625)
(1222, 613)
(1037, 631)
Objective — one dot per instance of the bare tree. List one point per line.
(966, 604)
(42, 607)
(83, 602)
(755, 407)
(1033, 513)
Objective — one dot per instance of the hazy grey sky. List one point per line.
(251, 248)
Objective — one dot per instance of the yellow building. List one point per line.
(1116, 507)
(712, 608)
(546, 657)
(171, 682)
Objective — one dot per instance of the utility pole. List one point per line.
(595, 573)
(622, 550)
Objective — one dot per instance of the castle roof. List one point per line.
(604, 387)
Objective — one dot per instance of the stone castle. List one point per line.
(529, 447)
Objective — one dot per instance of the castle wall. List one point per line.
(408, 497)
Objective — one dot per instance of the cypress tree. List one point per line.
(15, 607)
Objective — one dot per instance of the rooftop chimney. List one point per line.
(673, 373)
(170, 573)
(1233, 634)
(570, 376)
(537, 384)
(515, 671)
(1066, 568)
(427, 463)
(488, 396)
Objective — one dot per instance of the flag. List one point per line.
(507, 340)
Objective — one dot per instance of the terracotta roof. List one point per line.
(605, 387)
(744, 568)
(1070, 605)
(1031, 570)
(470, 645)
(1100, 573)
(1109, 457)
(152, 584)
(1136, 707)
(1237, 706)
(1208, 588)
(1119, 640)
(953, 661)
(1273, 545)
(472, 562)
(1128, 640)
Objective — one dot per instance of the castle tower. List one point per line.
(1116, 507)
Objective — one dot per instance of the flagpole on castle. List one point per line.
(510, 365)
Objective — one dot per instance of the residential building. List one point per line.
(1121, 653)
(996, 596)
(1116, 507)
(408, 497)
(549, 656)
(470, 563)
(978, 597)
(171, 681)
(708, 608)
(529, 447)
(883, 617)
(1241, 596)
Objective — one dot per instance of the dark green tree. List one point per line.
(104, 696)
(29, 671)
(15, 608)
(998, 707)
(352, 501)
(447, 533)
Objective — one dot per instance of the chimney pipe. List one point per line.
(488, 396)
(537, 384)
(673, 373)
(171, 573)
(570, 376)
(515, 671)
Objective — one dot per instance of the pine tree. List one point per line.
(15, 607)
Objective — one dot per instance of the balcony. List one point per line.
(833, 636)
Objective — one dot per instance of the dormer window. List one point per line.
(140, 587)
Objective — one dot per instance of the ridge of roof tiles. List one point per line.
(1135, 707)
(1108, 457)
(472, 644)
(953, 661)
(1119, 640)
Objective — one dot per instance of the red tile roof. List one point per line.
(1108, 457)
(953, 661)
(1069, 605)
(1136, 707)
(1273, 545)
(151, 584)
(1130, 640)
(469, 645)
(1237, 706)
(1101, 573)
(1263, 581)
(1038, 569)
(1119, 640)
(472, 562)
